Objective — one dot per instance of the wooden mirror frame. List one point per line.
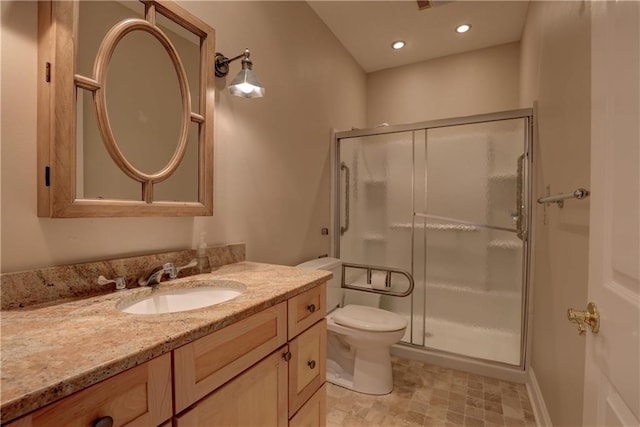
(57, 86)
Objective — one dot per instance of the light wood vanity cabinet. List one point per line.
(307, 371)
(220, 372)
(207, 363)
(306, 309)
(314, 412)
(140, 396)
(257, 397)
(268, 369)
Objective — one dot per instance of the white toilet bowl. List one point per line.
(367, 333)
(359, 338)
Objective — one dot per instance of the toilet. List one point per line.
(359, 337)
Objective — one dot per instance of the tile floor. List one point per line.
(427, 395)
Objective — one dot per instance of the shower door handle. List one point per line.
(347, 174)
(520, 230)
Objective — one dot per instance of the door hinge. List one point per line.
(47, 176)
(47, 72)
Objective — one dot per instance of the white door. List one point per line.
(612, 369)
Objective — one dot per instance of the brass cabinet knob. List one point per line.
(589, 318)
(286, 356)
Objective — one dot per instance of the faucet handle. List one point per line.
(171, 270)
(120, 282)
(191, 263)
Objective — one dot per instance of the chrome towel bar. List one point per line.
(559, 199)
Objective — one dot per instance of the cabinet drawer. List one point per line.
(314, 412)
(205, 364)
(306, 309)
(257, 397)
(307, 366)
(140, 396)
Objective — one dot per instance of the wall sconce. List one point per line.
(245, 84)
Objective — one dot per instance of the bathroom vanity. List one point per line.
(258, 359)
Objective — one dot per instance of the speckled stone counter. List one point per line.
(52, 350)
(24, 288)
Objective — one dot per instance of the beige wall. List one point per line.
(477, 82)
(555, 72)
(272, 160)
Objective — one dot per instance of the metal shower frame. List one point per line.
(526, 114)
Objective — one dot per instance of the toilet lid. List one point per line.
(369, 318)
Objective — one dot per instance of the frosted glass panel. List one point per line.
(473, 274)
(473, 292)
(378, 199)
(454, 164)
(471, 171)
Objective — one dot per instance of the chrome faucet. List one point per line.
(168, 271)
(157, 274)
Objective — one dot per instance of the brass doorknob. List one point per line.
(590, 317)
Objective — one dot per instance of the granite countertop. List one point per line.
(52, 350)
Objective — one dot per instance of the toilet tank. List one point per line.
(334, 265)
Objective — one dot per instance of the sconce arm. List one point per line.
(222, 62)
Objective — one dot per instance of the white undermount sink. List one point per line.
(211, 292)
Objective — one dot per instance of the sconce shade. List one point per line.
(246, 85)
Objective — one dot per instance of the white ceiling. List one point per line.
(367, 28)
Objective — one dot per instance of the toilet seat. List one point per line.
(368, 319)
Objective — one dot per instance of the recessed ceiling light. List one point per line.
(463, 28)
(398, 44)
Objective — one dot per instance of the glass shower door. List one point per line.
(375, 200)
(446, 201)
(468, 218)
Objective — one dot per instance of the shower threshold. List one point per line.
(495, 345)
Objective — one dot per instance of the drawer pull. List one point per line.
(286, 356)
(103, 422)
(312, 364)
(311, 308)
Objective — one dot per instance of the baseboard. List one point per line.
(537, 401)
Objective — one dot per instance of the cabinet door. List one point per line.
(307, 366)
(306, 309)
(205, 364)
(140, 396)
(258, 397)
(314, 412)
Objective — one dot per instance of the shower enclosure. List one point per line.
(447, 201)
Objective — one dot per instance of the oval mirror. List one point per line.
(143, 102)
(101, 68)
